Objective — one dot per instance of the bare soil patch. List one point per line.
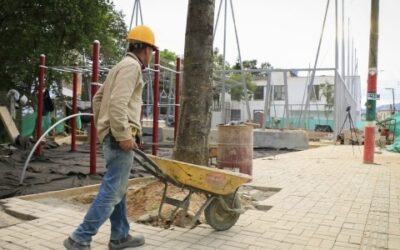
(143, 204)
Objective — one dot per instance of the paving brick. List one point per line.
(284, 246)
(346, 245)
(5, 232)
(10, 239)
(327, 243)
(297, 231)
(257, 248)
(190, 240)
(102, 247)
(198, 237)
(296, 240)
(355, 239)
(176, 244)
(201, 247)
(202, 231)
(237, 244)
(12, 247)
(39, 247)
(52, 245)
(226, 247)
(207, 240)
(352, 232)
(332, 223)
(223, 237)
(307, 233)
(217, 243)
(173, 234)
(156, 238)
(228, 233)
(268, 235)
(256, 227)
(314, 242)
(250, 233)
(297, 247)
(103, 240)
(279, 237)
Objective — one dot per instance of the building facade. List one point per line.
(290, 101)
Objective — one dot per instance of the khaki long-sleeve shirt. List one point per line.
(117, 104)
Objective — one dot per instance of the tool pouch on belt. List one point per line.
(139, 142)
(138, 138)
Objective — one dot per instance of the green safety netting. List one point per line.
(295, 123)
(28, 123)
(395, 128)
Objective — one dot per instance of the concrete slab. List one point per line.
(328, 199)
(279, 139)
(269, 138)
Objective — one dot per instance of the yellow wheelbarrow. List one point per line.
(222, 206)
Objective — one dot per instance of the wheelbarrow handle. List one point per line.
(154, 169)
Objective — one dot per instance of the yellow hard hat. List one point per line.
(142, 34)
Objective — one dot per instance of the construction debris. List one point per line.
(9, 124)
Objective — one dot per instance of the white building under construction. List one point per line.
(293, 101)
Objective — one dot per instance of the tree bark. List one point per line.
(194, 126)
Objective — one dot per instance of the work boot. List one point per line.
(128, 241)
(71, 244)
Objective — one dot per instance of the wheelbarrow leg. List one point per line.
(162, 201)
(210, 198)
(184, 204)
(185, 207)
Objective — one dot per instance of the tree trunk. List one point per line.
(194, 126)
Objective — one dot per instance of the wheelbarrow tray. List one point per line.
(209, 180)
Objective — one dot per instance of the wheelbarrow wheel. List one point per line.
(219, 218)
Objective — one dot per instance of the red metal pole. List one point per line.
(74, 108)
(177, 86)
(156, 93)
(95, 79)
(369, 128)
(38, 132)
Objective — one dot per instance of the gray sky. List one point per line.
(286, 33)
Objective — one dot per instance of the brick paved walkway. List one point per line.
(328, 200)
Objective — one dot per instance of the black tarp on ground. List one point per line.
(57, 169)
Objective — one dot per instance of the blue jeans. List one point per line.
(110, 202)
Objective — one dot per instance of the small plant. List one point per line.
(327, 92)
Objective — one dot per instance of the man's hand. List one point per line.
(128, 144)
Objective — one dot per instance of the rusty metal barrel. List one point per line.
(235, 148)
